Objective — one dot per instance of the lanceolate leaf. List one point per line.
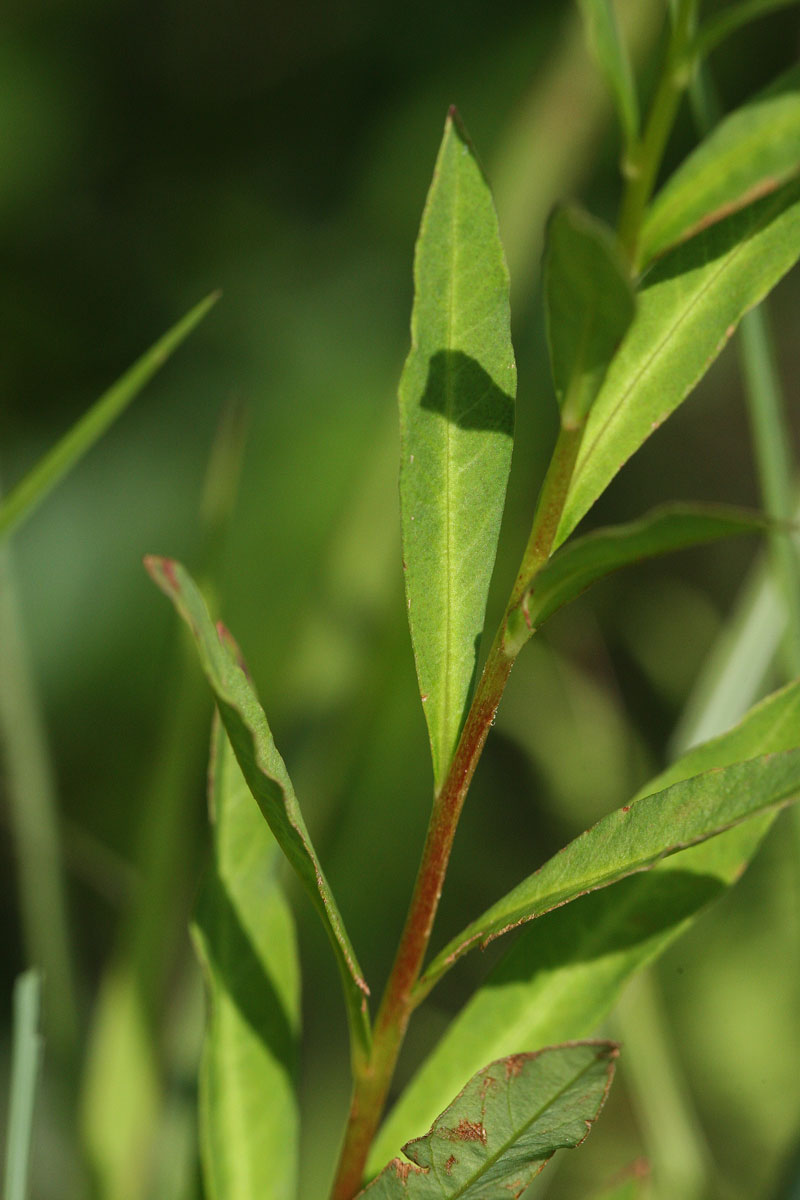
(612, 58)
(690, 305)
(751, 152)
(456, 418)
(564, 973)
(501, 1130)
(245, 939)
(632, 839)
(264, 771)
(672, 527)
(589, 304)
(23, 499)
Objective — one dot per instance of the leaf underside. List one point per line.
(456, 400)
(504, 1126)
(264, 770)
(244, 934)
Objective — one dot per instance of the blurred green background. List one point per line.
(152, 152)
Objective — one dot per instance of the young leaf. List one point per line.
(750, 153)
(23, 499)
(457, 421)
(612, 59)
(633, 838)
(244, 935)
(670, 527)
(265, 772)
(502, 1129)
(589, 304)
(690, 305)
(564, 973)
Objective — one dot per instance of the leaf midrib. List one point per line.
(449, 396)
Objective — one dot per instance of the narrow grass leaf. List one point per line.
(612, 58)
(564, 972)
(589, 304)
(690, 304)
(56, 463)
(750, 153)
(632, 839)
(670, 527)
(26, 1053)
(504, 1126)
(264, 771)
(244, 934)
(457, 422)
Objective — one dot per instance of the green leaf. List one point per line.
(502, 1129)
(244, 934)
(26, 1054)
(265, 772)
(670, 527)
(750, 153)
(732, 18)
(456, 421)
(564, 973)
(691, 302)
(589, 304)
(633, 838)
(612, 58)
(32, 489)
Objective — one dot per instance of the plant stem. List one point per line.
(371, 1085)
(643, 164)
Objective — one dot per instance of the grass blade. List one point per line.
(690, 305)
(665, 529)
(457, 419)
(717, 28)
(751, 152)
(245, 940)
(589, 304)
(565, 972)
(26, 1056)
(504, 1126)
(612, 58)
(30, 491)
(265, 772)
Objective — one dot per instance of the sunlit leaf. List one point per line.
(689, 306)
(589, 304)
(244, 934)
(751, 152)
(501, 1130)
(632, 839)
(23, 499)
(457, 420)
(264, 771)
(565, 972)
(671, 527)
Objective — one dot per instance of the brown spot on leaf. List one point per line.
(468, 1131)
(451, 1162)
(514, 1064)
(402, 1169)
(626, 808)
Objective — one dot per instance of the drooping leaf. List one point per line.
(670, 527)
(565, 972)
(501, 1130)
(751, 152)
(690, 305)
(26, 1054)
(457, 420)
(589, 304)
(632, 839)
(24, 498)
(612, 58)
(264, 771)
(244, 934)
